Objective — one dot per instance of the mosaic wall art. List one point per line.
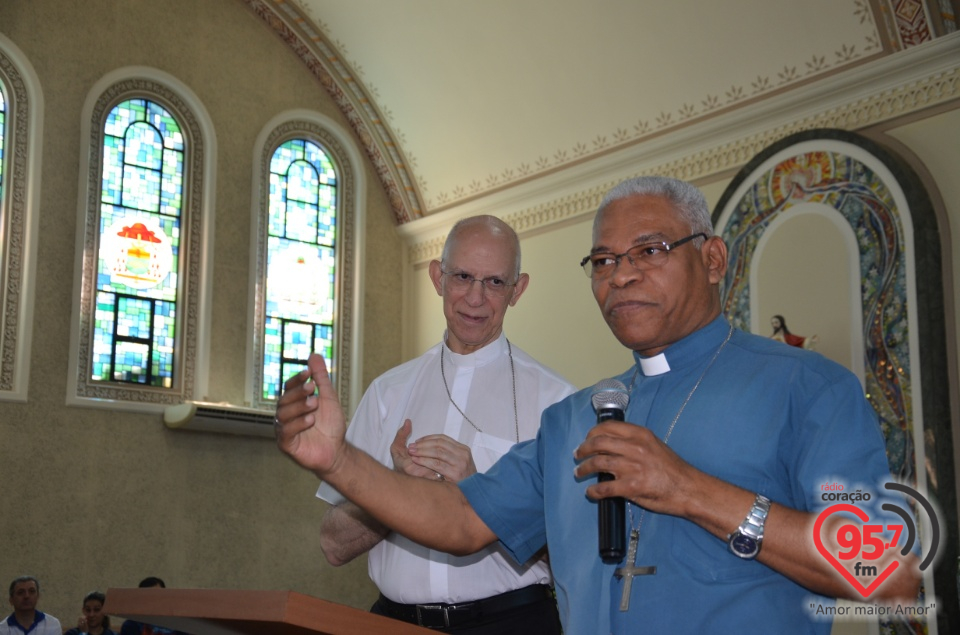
(901, 293)
(857, 193)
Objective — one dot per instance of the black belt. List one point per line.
(452, 615)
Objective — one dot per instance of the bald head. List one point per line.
(485, 224)
(478, 278)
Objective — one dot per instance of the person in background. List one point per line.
(131, 627)
(470, 397)
(24, 595)
(93, 621)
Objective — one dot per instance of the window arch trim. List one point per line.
(340, 148)
(20, 217)
(196, 242)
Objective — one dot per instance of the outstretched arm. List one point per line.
(310, 429)
(347, 531)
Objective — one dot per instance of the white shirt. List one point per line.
(49, 625)
(481, 384)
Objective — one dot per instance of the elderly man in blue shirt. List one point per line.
(727, 440)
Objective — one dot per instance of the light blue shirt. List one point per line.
(767, 417)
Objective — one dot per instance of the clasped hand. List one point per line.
(432, 456)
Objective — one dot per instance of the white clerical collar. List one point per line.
(656, 365)
(480, 357)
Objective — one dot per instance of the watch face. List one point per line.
(743, 545)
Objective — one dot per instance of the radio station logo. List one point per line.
(867, 552)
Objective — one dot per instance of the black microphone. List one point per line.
(610, 399)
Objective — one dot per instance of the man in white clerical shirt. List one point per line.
(464, 403)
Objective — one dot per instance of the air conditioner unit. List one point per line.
(217, 417)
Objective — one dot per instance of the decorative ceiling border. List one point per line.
(384, 147)
(849, 55)
(406, 192)
(913, 95)
(630, 134)
(910, 21)
(342, 84)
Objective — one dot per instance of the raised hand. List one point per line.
(310, 424)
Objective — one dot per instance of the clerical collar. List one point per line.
(685, 353)
(480, 357)
(656, 365)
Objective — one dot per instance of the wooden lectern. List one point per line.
(219, 612)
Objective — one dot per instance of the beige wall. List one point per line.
(95, 499)
(804, 273)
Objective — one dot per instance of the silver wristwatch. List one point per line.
(745, 542)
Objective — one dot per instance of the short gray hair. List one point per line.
(684, 197)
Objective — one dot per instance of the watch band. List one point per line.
(752, 525)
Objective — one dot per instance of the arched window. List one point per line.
(21, 107)
(137, 288)
(303, 218)
(139, 298)
(301, 262)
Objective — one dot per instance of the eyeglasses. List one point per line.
(463, 282)
(641, 257)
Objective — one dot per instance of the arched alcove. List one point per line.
(805, 268)
(873, 206)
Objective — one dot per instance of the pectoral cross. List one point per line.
(630, 571)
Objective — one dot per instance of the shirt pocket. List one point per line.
(707, 559)
(488, 449)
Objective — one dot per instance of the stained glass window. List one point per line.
(141, 199)
(301, 262)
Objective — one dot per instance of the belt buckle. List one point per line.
(433, 607)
